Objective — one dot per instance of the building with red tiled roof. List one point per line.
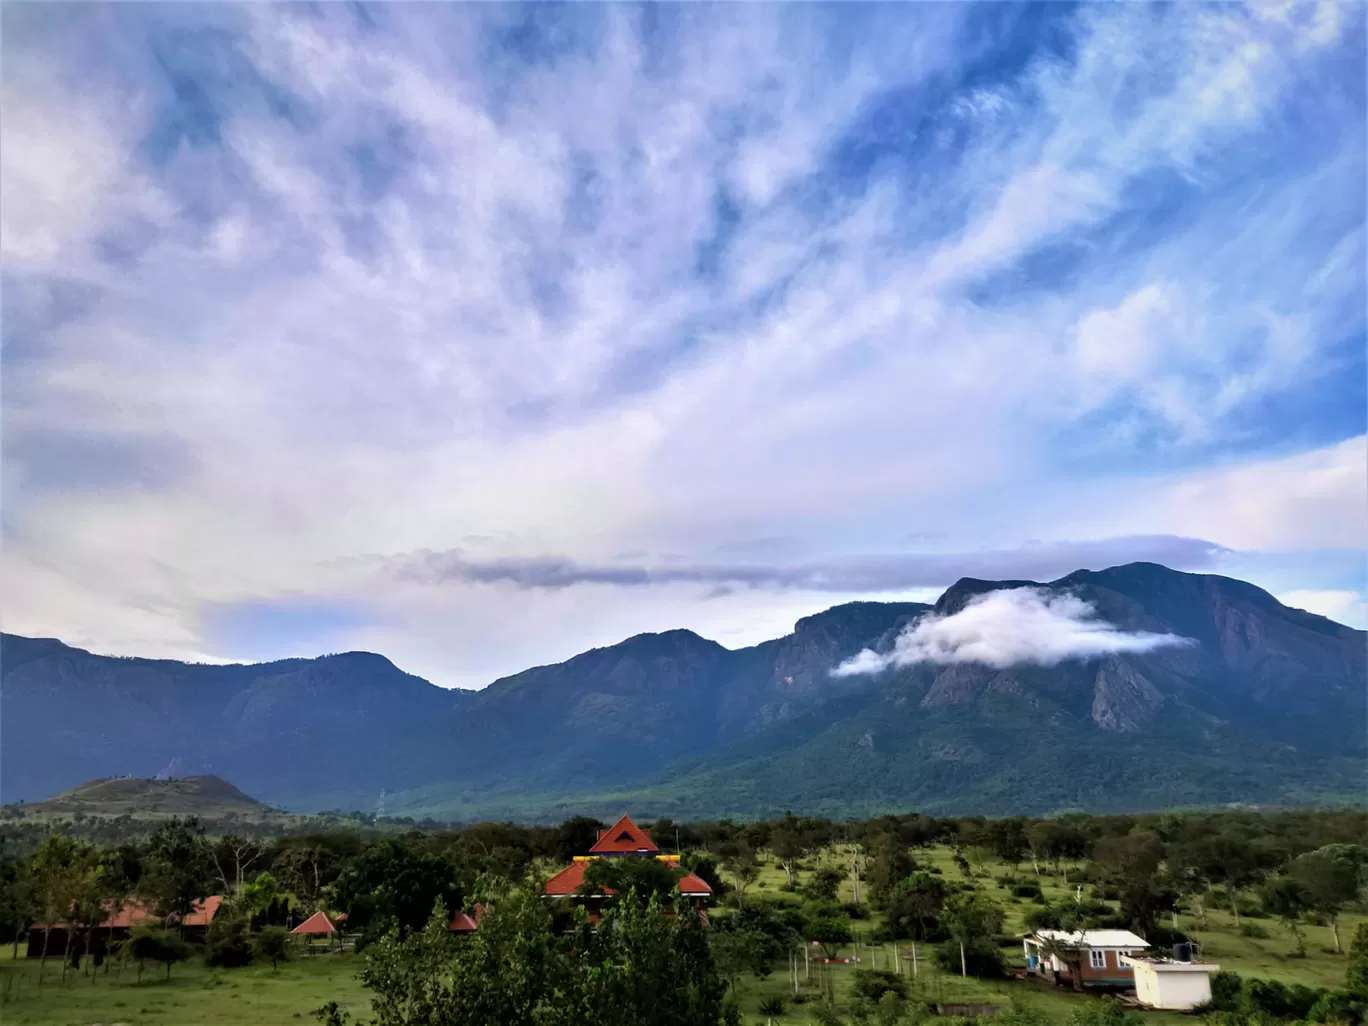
(623, 839)
(317, 925)
(117, 926)
(466, 922)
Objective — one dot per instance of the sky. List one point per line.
(482, 335)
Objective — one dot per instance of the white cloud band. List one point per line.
(1006, 628)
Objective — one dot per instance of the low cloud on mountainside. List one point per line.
(1004, 628)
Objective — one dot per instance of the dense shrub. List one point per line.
(983, 958)
(1253, 930)
(226, 945)
(1046, 918)
(873, 984)
(1027, 890)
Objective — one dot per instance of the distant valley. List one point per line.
(1260, 704)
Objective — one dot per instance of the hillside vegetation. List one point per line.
(1260, 704)
(1277, 899)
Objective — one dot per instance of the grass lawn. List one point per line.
(251, 996)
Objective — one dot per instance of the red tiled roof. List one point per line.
(692, 886)
(315, 925)
(204, 911)
(623, 838)
(567, 881)
(462, 923)
(132, 913)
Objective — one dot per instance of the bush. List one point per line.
(873, 984)
(772, 1007)
(1027, 890)
(1339, 1007)
(982, 958)
(146, 944)
(1253, 930)
(272, 945)
(1227, 991)
(226, 945)
(1101, 1013)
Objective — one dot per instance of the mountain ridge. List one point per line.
(1260, 706)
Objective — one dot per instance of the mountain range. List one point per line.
(1241, 700)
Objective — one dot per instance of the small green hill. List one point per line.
(208, 797)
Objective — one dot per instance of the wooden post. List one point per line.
(897, 963)
(914, 960)
(807, 964)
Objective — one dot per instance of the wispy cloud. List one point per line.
(846, 574)
(1007, 628)
(287, 285)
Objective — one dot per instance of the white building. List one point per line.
(1100, 960)
(1164, 983)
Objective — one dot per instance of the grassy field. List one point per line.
(260, 997)
(253, 996)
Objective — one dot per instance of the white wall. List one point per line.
(1178, 990)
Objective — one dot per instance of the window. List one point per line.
(1097, 959)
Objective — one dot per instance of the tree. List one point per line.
(638, 966)
(645, 878)
(233, 856)
(257, 897)
(743, 869)
(914, 908)
(576, 836)
(1356, 973)
(14, 897)
(830, 932)
(57, 874)
(148, 944)
(1329, 885)
(271, 944)
(1007, 838)
(790, 843)
(737, 951)
(891, 864)
(226, 944)
(1287, 898)
(178, 869)
(824, 885)
(972, 919)
(392, 884)
(1232, 862)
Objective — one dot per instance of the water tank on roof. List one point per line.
(1182, 952)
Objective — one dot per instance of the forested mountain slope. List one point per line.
(1256, 703)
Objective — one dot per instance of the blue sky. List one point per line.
(480, 335)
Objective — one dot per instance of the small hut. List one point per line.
(463, 922)
(317, 925)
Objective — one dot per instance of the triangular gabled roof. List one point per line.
(315, 925)
(624, 838)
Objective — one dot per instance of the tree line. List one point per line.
(398, 890)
